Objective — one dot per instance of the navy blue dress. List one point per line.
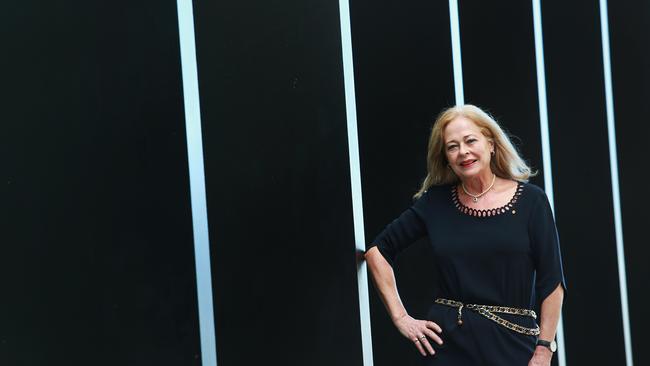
(508, 256)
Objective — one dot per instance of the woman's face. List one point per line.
(467, 149)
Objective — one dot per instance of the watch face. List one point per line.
(553, 346)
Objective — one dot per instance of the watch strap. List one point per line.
(547, 344)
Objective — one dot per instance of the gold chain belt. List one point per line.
(488, 312)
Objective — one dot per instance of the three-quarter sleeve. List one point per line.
(545, 246)
(399, 234)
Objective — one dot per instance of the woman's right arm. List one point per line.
(413, 329)
(384, 279)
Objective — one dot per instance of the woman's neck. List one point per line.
(479, 183)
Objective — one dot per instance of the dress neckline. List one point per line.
(488, 212)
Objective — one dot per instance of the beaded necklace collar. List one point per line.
(489, 212)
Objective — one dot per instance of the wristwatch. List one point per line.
(550, 345)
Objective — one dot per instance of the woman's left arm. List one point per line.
(549, 318)
(549, 278)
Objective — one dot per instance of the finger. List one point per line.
(434, 326)
(418, 344)
(427, 345)
(431, 334)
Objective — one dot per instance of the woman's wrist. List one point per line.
(543, 351)
(399, 316)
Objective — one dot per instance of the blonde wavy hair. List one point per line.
(505, 163)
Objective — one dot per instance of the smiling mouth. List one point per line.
(467, 163)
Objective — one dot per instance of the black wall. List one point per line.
(97, 263)
(583, 190)
(629, 22)
(278, 183)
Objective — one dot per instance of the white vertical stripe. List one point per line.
(613, 165)
(355, 177)
(455, 52)
(197, 181)
(546, 145)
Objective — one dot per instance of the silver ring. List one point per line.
(423, 337)
(416, 341)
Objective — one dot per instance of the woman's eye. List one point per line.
(471, 141)
(451, 147)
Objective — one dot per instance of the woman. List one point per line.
(495, 246)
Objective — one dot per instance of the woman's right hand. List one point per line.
(419, 332)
